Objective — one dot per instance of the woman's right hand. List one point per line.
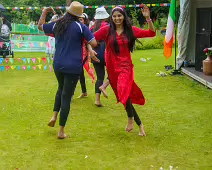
(93, 55)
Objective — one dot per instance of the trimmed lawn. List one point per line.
(177, 119)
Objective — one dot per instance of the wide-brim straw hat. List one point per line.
(76, 9)
(101, 13)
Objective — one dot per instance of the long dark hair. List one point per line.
(128, 32)
(97, 24)
(63, 22)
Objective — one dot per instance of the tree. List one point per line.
(68, 2)
(33, 15)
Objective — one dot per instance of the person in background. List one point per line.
(101, 16)
(5, 28)
(68, 33)
(91, 23)
(103, 88)
(1, 22)
(86, 61)
(120, 37)
(50, 48)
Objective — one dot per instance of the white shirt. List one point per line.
(5, 31)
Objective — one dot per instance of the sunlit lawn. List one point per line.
(177, 119)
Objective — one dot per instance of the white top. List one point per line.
(5, 31)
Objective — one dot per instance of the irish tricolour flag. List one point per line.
(168, 41)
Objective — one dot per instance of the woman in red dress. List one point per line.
(120, 38)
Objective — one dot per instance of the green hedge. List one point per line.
(151, 43)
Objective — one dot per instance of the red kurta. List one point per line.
(87, 67)
(120, 67)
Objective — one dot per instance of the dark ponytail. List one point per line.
(63, 22)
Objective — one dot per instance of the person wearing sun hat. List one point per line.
(101, 13)
(68, 33)
(100, 17)
(86, 62)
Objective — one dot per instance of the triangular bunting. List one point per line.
(28, 60)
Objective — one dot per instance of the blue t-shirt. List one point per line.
(68, 54)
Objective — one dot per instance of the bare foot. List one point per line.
(98, 104)
(130, 124)
(52, 122)
(61, 136)
(83, 95)
(141, 130)
(103, 90)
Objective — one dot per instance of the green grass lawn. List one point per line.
(177, 119)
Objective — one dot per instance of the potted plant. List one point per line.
(207, 63)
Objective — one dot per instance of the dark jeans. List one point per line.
(100, 73)
(66, 87)
(82, 82)
(131, 112)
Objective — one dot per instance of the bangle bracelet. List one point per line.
(149, 20)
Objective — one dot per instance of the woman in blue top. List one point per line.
(68, 33)
(100, 17)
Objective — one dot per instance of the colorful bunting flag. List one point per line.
(40, 67)
(24, 67)
(11, 60)
(88, 6)
(7, 68)
(24, 60)
(7, 60)
(48, 60)
(28, 60)
(13, 67)
(44, 60)
(34, 60)
(34, 67)
(1, 68)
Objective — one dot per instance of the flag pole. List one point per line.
(175, 72)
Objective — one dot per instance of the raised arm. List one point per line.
(146, 13)
(140, 33)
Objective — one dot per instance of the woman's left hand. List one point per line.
(145, 11)
(49, 9)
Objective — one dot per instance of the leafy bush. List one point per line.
(163, 22)
(151, 43)
(134, 17)
(157, 24)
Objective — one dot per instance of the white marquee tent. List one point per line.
(194, 34)
(187, 29)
